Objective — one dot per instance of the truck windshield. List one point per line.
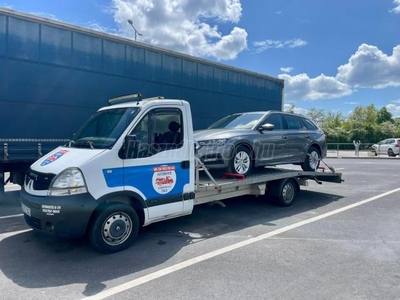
(103, 129)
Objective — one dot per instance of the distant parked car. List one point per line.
(242, 141)
(389, 146)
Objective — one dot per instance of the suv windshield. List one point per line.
(238, 121)
(103, 129)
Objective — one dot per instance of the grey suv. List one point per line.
(242, 141)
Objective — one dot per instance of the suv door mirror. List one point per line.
(268, 127)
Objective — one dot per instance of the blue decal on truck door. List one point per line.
(114, 177)
(154, 181)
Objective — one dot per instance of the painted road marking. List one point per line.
(9, 234)
(158, 274)
(12, 216)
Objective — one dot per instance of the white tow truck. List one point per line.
(122, 170)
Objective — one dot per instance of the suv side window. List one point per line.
(276, 120)
(309, 124)
(293, 122)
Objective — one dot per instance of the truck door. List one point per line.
(156, 162)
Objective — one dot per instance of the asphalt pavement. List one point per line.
(338, 241)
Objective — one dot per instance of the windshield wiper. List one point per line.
(83, 142)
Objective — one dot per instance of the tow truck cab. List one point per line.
(131, 164)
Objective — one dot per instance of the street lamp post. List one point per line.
(136, 32)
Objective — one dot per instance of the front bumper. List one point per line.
(215, 157)
(65, 217)
(213, 160)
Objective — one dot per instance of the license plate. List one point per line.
(26, 209)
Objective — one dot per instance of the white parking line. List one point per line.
(9, 234)
(139, 281)
(12, 216)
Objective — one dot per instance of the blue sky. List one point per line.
(333, 55)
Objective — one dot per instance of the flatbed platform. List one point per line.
(221, 186)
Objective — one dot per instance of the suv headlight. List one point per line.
(68, 182)
(218, 142)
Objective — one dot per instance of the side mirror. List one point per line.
(196, 147)
(268, 127)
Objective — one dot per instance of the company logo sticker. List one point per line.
(164, 179)
(54, 157)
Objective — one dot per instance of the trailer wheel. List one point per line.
(113, 228)
(286, 192)
(241, 161)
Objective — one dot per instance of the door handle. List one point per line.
(284, 137)
(307, 136)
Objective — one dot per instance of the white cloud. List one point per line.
(352, 103)
(262, 46)
(370, 67)
(45, 15)
(396, 101)
(396, 9)
(98, 27)
(302, 87)
(8, 6)
(393, 109)
(287, 69)
(184, 25)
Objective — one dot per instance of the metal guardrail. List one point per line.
(361, 150)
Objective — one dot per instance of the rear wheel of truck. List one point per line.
(113, 228)
(284, 192)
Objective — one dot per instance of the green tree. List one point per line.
(364, 115)
(387, 129)
(333, 120)
(317, 115)
(383, 115)
(333, 127)
(362, 124)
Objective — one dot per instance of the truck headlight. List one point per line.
(218, 142)
(68, 182)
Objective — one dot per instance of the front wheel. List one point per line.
(312, 160)
(241, 161)
(114, 228)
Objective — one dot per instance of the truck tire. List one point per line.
(284, 192)
(241, 161)
(313, 158)
(114, 228)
